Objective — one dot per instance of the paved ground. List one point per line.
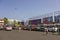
(27, 35)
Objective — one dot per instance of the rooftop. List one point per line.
(56, 13)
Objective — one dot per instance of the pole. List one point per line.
(53, 17)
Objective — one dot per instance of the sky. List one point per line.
(25, 9)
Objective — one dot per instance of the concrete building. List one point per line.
(53, 17)
(1, 22)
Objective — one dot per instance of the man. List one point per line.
(30, 27)
(59, 30)
(46, 29)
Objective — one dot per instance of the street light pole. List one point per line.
(53, 17)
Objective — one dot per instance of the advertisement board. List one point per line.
(36, 21)
(57, 19)
(48, 19)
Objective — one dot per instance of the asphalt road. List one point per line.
(27, 35)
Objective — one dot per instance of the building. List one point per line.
(49, 18)
(1, 22)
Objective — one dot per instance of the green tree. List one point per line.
(14, 22)
(5, 20)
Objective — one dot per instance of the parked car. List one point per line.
(42, 29)
(19, 28)
(1, 27)
(33, 27)
(24, 27)
(51, 28)
(37, 28)
(8, 28)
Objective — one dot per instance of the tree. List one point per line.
(14, 22)
(5, 20)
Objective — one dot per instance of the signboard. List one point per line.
(48, 20)
(57, 19)
(36, 21)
